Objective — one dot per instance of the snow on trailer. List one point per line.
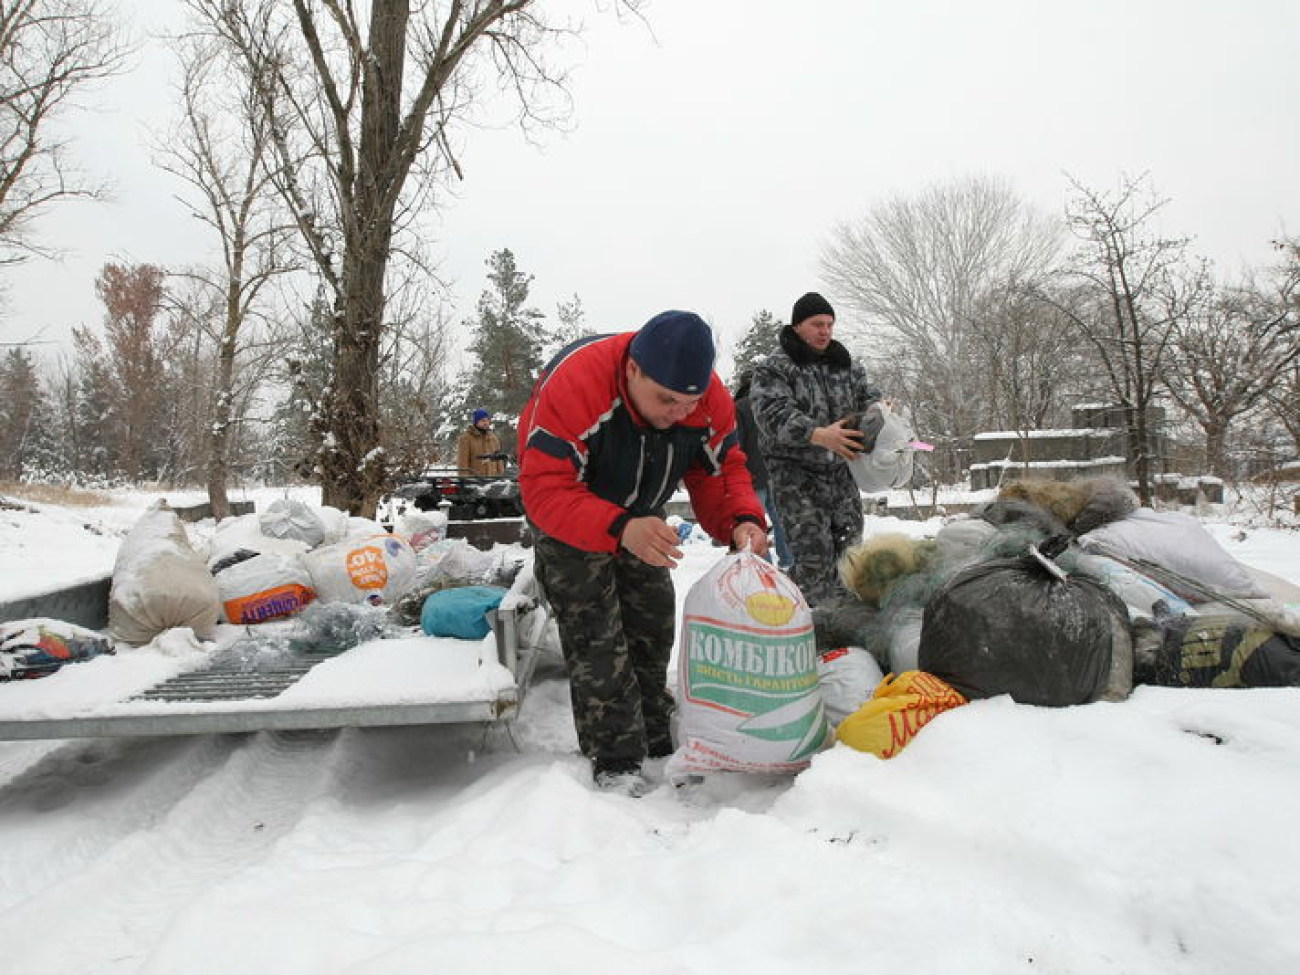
(404, 681)
(331, 665)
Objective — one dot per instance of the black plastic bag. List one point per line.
(1023, 627)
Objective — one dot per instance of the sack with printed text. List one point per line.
(375, 570)
(749, 698)
(263, 587)
(900, 707)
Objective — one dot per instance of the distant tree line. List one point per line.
(138, 398)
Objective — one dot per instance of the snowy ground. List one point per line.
(1154, 836)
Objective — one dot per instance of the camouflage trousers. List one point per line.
(616, 617)
(821, 512)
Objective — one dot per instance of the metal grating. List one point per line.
(230, 682)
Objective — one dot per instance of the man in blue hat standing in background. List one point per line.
(478, 451)
(614, 425)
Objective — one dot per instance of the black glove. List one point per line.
(869, 423)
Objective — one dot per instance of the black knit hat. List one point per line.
(675, 349)
(810, 304)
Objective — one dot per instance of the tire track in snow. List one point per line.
(134, 844)
(79, 798)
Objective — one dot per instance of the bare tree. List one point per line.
(1235, 349)
(363, 112)
(1034, 367)
(916, 269)
(50, 51)
(132, 297)
(1127, 290)
(1283, 401)
(1283, 404)
(223, 152)
(414, 375)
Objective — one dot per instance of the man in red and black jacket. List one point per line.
(615, 424)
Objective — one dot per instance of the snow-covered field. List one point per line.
(1159, 835)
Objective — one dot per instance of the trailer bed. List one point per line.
(411, 680)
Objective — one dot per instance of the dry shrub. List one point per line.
(70, 497)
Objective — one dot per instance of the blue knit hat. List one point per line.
(675, 349)
(481, 414)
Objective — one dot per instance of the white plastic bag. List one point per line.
(905, 640)
(422, 529)
(848, 676)
(287, 518)
(245, 532)
(749, 697)
(889, 464)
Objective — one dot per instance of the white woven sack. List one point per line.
(748, 692)
(374, 570)
(1175, 541)
(160, 582)
(264, 587)
(848, 677)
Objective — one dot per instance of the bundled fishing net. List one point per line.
(320, 629)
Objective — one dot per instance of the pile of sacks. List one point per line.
(273, 564)
(1055, 593)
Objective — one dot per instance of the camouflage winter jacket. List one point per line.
(797, 390)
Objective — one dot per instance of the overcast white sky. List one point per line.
(711, 153)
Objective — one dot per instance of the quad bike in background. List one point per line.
(468, 497)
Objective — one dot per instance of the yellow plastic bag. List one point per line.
(900, 707)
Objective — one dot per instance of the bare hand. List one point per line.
(748, 533)
(652, 541)
(838, 439)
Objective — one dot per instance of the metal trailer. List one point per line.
(224, 698)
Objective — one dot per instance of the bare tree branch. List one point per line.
(50, 51)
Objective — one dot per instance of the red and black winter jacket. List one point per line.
(589, 463)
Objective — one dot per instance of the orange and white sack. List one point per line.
(748, 692)
(264, 587)
(901, 707)
(375, 570)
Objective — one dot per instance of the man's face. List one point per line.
(817, 331)
(484, 423)
(658, 405)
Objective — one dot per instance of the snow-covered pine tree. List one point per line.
(758, 341)
(508, 343)
(26, 432)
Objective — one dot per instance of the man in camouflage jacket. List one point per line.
(806, 400)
